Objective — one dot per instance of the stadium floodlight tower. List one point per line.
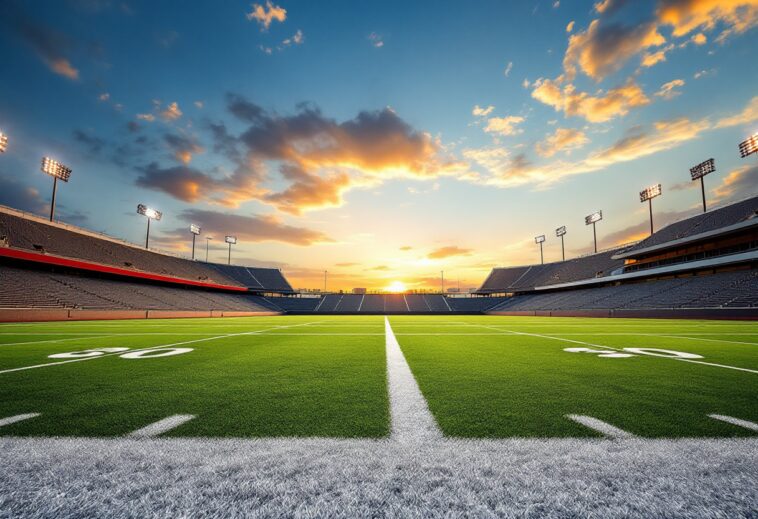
(195, 230)
(701, 170)
(540, 240)
(150, 214)
(592, 219)
(647, 195)
(3, 142)
(749, 146)
(231, 240)
(207, 242)
(58, 171)
(561, 232)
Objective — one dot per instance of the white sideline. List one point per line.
(411, 419)
(18, 418)
(600, 426)
(736, 421)
(162, 426)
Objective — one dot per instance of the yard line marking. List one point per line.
(148, 348)
(735, 421)
(55, 340)
(600, 426)
(18, 418)
(162, 426)
(621, 349)
(411, 419)
(704, 339)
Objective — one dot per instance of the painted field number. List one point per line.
(152, 353)
(633, 352)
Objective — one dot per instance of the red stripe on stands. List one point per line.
(97, 267)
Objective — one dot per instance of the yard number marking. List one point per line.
(655, 352)
(139, 354)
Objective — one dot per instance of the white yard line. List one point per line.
(18, 418)
(735, 421)
(205, 339)
(162, 426)
(411, 419)
(600, 426)
(704, 339)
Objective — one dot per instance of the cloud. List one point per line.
(182, 146)
(146, 117)
(172, 112)
(570, 26)
(504, 125)
(267, 14)
(508, 69)
(699, 39)
(256, 228)
(478, 111)
(740, 182)
(563, 139)
(93, 144)
(448, 252)
(318, 158)
(199, 105)
(50, 45)
(21, 197)
(604, 47)
(406, 248)
(104, 96)
(686, 16)
(347, 264)
(377, 40)
(296, 39)
(669, 90)
(653, 58)
(601, 107)
(490, 158)
(746, 116)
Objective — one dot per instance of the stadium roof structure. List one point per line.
(717, 222)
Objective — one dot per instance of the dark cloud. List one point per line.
(24, 198)
(182, 146)
(93, 145)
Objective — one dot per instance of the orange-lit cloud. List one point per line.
(563, 139)
(738, 183)
(686, 16)
(478, 111)
(448, 251)
(183, 147)
(507, 125)
(63, 67)
(669, 90)
(265, 15)
(748, 115)
(171, 112)
(601, 107)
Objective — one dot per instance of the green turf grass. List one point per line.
(481, 385)
(247, 385)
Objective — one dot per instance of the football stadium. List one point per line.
(382, 337)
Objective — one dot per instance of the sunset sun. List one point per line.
(396, 287)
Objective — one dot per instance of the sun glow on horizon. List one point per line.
(396, 287)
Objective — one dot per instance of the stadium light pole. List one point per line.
(749, 146)
(195, 230)
(540, 240)
(592, 219)
(58, 171)
(561, 232)
(3, 142)
(207, 243)
(647, 195)
(701, 170)
(150, 214)
(231, 240)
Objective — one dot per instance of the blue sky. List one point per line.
(382, 141)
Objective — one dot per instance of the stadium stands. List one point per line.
(516, 279)
(26, 232)
(23, 288)
(723, 290)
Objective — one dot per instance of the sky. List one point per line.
(384, 142)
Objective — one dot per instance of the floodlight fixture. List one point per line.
(3, 142)
(150, 214)
(540, 240)
(195, 230)
(561, 232)
(701, 170)
(647, 195)
(58, 171)
(231, 240)
(592, 219)
(749, 146)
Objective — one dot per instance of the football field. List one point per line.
(327, 377)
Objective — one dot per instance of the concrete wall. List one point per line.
(37, 315)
